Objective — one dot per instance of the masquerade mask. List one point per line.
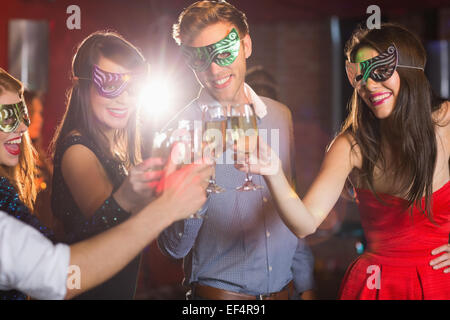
(11, 115)
(379, 68)
(111, 85)
(223, 53)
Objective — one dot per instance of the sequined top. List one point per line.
(77, 227)
(10, 203)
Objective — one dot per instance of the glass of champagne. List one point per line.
(162, 146)
(244, 133)
(214, 124)
(188, 139)
(189, 133)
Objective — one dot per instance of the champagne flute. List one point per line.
(162, 146)
(214, 123)
(186, 136)
(244, 133)
(190, 134)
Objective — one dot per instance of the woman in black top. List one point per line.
(95, 147)
(180, 193)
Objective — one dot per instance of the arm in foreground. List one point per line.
(303, 217)
(30, 263)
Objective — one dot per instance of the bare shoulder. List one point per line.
(86, 178)
(442, 118)
(442, 115)
(344, 145)
(79, 160)
(78, 153)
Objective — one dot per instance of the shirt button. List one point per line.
(268, 234)
(265, 199)
(270, 268)
(180, 234)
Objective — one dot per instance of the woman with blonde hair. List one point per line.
(17, 187)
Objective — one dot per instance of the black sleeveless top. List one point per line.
(12, 205)
(77, 227)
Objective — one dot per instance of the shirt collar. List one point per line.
(205, 98)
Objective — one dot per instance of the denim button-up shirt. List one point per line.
(241, 244)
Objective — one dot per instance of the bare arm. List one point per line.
(102, 256)
(303, 217)
(446, 126)
(29, 262)
(86, 178)
(90, 186)
(441, 261)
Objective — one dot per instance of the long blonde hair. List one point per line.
(20, 176)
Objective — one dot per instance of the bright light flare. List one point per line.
(156, 98)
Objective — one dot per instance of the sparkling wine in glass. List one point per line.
(244, 133)
(188, 137)
(162, 146)
(215, 124)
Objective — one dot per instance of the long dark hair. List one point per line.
(79, 115)
(410, 128)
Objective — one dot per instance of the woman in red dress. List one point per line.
(394, 148)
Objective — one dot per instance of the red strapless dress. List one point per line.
(395, 264)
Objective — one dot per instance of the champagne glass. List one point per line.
(244, 133)
(162, 146)
(189, 132)
(215, 124)
(188, 138)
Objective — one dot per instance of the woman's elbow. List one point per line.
(301, 234)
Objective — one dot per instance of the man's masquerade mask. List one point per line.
(379, 68)
(12, 114)
(223, 52)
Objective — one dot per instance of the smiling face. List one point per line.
(112, 113)
(225, 83)
(380, 97)
(11, 142)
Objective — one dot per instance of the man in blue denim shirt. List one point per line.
(241, 249)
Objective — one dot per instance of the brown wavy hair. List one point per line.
(205, 13)
(79, 115)
(20, 176)
(410, 128)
